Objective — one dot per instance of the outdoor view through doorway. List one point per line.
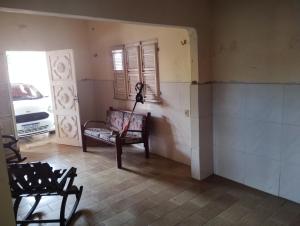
(31, 96)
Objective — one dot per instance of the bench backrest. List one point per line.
(116, 119)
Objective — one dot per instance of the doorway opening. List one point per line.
(31, 97)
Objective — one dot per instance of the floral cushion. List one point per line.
(136, 122)
(107, 135)
(99, 133)
(114, 120)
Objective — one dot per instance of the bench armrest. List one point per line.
(132, 130)
(94, 121)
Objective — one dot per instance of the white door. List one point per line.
(64, 97)
(7, 119)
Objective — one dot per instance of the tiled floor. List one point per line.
(156, 192)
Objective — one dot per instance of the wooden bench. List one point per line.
(109, 131)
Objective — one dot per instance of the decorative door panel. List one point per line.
(7, 119)
(61, 66)
(64, 97)
(68, 126)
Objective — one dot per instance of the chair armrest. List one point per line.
(94, 121)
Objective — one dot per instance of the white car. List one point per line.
(33, 111)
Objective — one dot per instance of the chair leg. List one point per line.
(146, 145)
(78, 196)
(16, 206)
(62, 210)
(119, 154)
(84, 143)
(31, 211)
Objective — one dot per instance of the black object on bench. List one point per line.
(12, 152)
(38, 180)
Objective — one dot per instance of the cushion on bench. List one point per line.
(99, 133)
(114, 119)
(107, 135)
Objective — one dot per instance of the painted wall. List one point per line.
(195, 14)
(39, 33)
(174, 58)
(171, 131)
(256, 41)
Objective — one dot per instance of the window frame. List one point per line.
(155, 95)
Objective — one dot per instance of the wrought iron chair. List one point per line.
(12, 153)
(38, 180)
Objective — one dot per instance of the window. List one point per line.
(118, 59)
(120, 89)
(137, 62)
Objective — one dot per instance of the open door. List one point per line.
(7, 119)
(64, 97)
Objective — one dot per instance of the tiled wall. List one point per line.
(256, 136)
(205, 130)
(86, 95)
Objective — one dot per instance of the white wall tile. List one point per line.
(263, 138)
(290, 181)
(229, 99)
(195, 163)
(258, 139)
(229, 132)
(291, 144)
(194, 101)
(262, 173)
(86, 94)
(206, 146)
(205, 100)
(264, 102)
(230, 164)
(291, 107)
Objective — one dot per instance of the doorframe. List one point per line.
(9, 85)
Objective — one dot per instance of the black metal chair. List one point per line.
(12, 153)
(38, 180)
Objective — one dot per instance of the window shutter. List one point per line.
(149, 56)
(133, 68)
(120, 90)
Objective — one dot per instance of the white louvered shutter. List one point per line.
(133, 67)
(149, 57)
(120, 89)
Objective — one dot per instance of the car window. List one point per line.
(25, 92)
